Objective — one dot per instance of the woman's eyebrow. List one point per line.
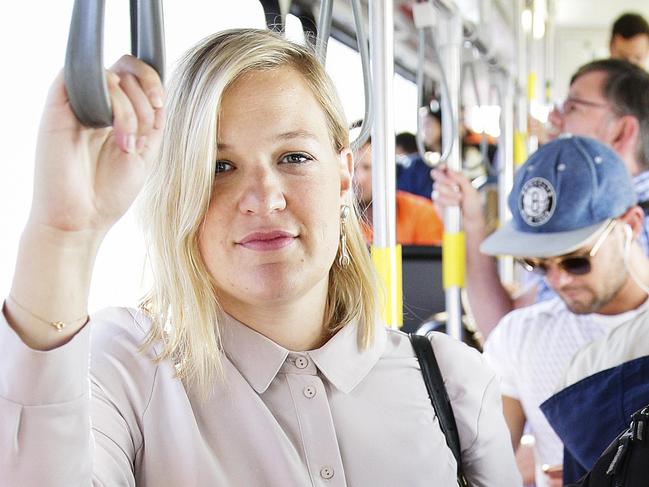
(297, 134)
(291, 135)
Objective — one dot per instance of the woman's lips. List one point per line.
(272, 240)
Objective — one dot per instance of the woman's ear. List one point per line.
(346, 159)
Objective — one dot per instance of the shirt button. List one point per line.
(309, 391)
(301, 362)
(326, 473)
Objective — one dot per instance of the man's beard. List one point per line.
(595, 303)
(584, 308)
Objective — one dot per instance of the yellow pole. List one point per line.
(454, 261)
(387, 261)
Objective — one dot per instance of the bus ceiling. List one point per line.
(487, 25)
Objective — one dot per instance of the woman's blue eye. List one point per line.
(296, 158)
(222, 166)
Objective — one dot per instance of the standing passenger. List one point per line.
(608, 100)
(576, 222)
(630, 39)
(417, 222)
(257, 359)
(413, 173)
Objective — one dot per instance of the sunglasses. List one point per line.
(577, 264)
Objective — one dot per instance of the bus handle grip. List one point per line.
(85, 81)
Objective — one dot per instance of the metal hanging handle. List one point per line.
(424, 23)
(324, 29)
(364, 50)
(484, 146)
(421, 102)
(85, 80)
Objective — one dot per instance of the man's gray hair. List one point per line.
(626, 88)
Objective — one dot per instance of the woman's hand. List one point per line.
(85, 179)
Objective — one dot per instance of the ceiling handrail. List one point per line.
(85, 79)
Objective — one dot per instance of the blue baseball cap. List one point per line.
(563, 196)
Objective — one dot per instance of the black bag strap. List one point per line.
(439, 398)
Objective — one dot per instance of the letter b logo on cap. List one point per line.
(537, 201)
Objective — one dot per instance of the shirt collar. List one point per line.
(340, 360)
(255, 356)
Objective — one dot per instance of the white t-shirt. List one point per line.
(530, 350)
(622, 344)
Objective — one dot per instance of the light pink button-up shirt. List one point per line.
(333, 417)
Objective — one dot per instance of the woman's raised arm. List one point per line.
(85, 180)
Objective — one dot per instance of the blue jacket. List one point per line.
(589, 414)
(415, 177)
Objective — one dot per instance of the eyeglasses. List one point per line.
(570, 103)
(577, 263)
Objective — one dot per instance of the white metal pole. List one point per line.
(450, 52)
(506, 164)
(383, 156)
(522, 72)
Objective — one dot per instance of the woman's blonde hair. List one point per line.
(182, 301)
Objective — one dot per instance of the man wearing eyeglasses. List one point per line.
(608, 100)
(575, 220)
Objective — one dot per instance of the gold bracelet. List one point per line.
(57, 325)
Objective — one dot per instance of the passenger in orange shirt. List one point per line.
(417, 220)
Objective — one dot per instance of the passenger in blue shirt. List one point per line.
(413, 174)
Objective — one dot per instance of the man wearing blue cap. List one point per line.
(575, 220)
(608, 100)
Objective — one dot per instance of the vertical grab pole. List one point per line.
(549, 53)
(520, 107)
(450, 47)
(506, 174)
(385, 253)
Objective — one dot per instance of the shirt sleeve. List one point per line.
(487, 454)
(47, 400)
(497, 353)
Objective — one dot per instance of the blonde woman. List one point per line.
(257, 358)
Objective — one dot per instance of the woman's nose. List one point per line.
(262, 193)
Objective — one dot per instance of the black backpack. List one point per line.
(625, 463)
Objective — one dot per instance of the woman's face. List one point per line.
(272, 228)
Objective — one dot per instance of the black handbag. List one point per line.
(625, 462)
(439, 398)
